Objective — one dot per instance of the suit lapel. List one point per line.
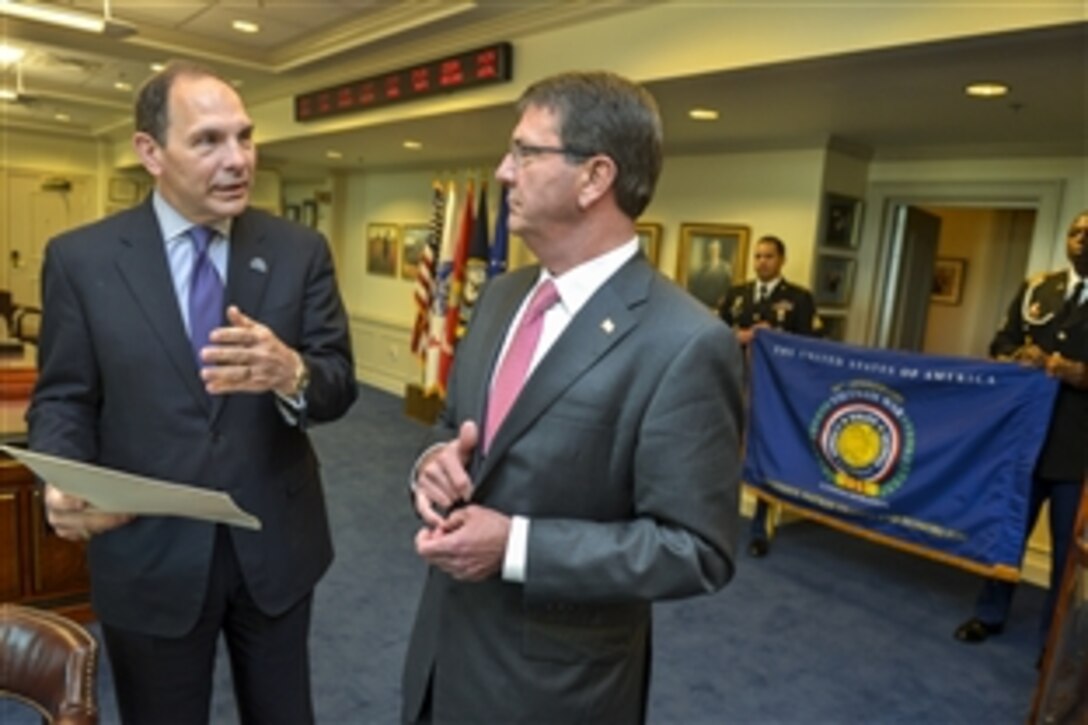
(605, 319)
(143, 266)
(248, 269)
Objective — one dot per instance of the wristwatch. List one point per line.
(302, 379)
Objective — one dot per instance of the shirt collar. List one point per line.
(174, 225)
(577, 285)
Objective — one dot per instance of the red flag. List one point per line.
(457, 283)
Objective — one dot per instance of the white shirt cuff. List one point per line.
(517, 545)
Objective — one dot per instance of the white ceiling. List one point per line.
(905, 102)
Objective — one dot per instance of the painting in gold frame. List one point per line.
(382, 249)
(649, 240)
(711, 259)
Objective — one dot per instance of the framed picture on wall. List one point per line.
(382, 249)
(711, 259)
(841, 221)
(948, 274)
(649, 240)
(123, 190)
(834, 325)
(834, 281)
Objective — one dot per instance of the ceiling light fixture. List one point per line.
(245, 26)
(413, 145)
(73, 20)
(333, 154)
(986, 89)
(703, 114)
(9, 94)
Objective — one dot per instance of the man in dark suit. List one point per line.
(612, 479)
(129, 379)
(768, 301)
(1046, 327)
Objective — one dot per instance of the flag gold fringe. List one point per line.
(997, 571)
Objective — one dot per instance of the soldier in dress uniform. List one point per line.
(768, 301)
(1047, 328)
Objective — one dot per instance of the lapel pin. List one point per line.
(608, 326)
(257, 264)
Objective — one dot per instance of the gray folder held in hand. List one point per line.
(119, 492)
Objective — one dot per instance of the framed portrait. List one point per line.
(711, 260)
(649, 240)
(834, 325)
(308, 213)
(123, 190)
(841, 221)
(291, 211)
(414, 239)
(948, 274)
(382, 249)
(834, 281)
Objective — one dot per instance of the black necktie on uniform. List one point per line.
(1073, 300)
(762, 294)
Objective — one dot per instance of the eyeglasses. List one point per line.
(522, 152)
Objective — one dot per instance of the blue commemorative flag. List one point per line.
(930, 454)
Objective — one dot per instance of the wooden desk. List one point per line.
(36, 566)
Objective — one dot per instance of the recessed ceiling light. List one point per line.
(123, 86)
(703, 114)
(245, 26)
(413, 145)
(158, 67)
(333, 154)
(986, 89)
(10, 54)
(62, 117)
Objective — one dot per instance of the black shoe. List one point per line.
(758, 548)
(975, 630)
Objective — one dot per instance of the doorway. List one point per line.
(949, 271)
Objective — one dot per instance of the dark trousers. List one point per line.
(995, 598)
(169, 680)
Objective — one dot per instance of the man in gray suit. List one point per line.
(130, 379)
(554, 521)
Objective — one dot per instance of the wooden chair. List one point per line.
(50, 663)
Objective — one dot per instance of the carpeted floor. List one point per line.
(826, 629)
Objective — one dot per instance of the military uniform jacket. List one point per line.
(1039, 315)
(789, 308)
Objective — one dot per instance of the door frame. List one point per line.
(1044, 197)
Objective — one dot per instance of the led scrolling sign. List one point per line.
(480, 67)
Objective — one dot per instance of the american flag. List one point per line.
(425, 282)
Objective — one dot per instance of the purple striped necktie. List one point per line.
(514, 368)
(205, 291)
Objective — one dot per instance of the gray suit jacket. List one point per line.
(118, 386)
(623, 450)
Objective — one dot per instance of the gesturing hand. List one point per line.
(247, 357)
(442, 479)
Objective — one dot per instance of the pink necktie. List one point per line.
(514, 368)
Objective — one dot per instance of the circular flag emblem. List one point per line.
(864, 439)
